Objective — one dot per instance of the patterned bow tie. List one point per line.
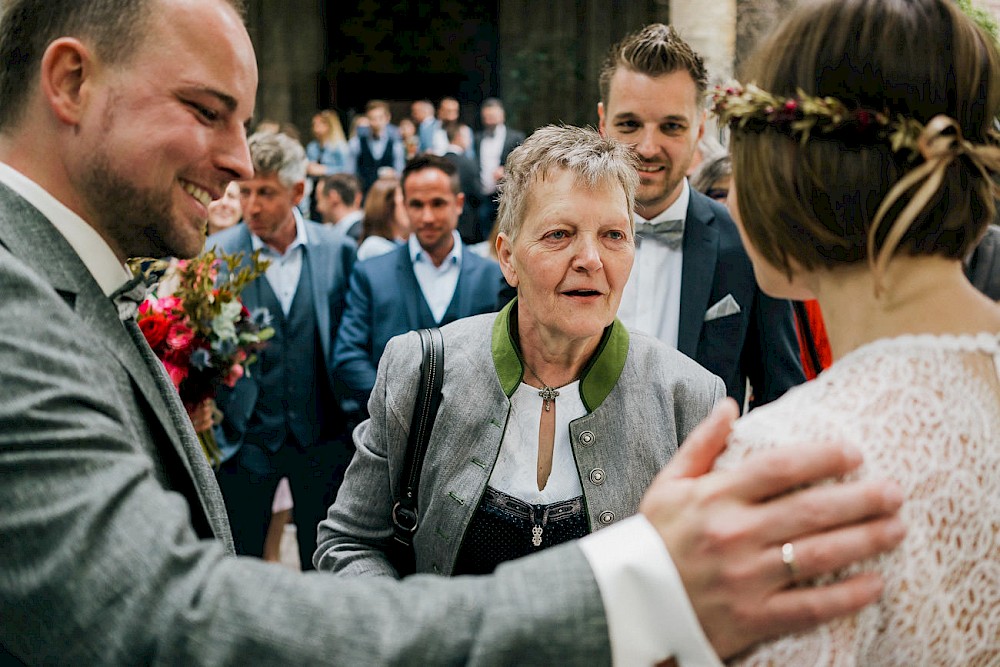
(148, 273)
(669, 232)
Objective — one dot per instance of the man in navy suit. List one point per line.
(492, 146)
(430, 281)
(283, 419)
(692, 284)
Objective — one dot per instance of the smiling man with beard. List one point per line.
(692, 284)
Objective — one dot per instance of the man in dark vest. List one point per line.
(284, 419)
(378, 146)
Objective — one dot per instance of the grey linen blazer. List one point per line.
(642, 397)
(114, 548)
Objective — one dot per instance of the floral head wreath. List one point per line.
(939, 143)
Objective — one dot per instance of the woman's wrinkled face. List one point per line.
(571, 257)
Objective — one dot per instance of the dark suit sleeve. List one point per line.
(352, 352)
(770, 358)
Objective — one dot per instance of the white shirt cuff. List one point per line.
(649, 615)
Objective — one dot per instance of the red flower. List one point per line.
(235, 373)
(154, 327)
(176, 373)
(791, 105)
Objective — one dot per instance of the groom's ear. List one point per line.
(67, 79)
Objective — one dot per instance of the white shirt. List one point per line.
(286, 268)
(93, 250)
(490, 150)
(373, 246)
(651, 300)
(513, 473)
(649, 616)
(437, 282)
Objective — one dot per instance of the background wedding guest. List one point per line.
(284, 419)
(692, 284)
(328, 153)
(385, 225)
(430, 281)
(225, 211)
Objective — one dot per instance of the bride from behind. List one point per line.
(864, 156)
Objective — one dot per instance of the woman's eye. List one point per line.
(558, 235)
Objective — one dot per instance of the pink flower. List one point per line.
(235, 373)
(180, 336)
(176, 373)
(791, 105)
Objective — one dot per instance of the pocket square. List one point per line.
(727, 306)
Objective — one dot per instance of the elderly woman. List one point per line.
(865, 162)
(554, 417)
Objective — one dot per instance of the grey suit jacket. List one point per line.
(642, 399)
(106, 548)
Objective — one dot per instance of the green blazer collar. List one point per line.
(599, 375)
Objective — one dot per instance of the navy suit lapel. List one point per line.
(321, 267)
(701, 252)
(409, 289)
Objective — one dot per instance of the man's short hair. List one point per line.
(113, 28)
(431, 161)
(493, 102)
(346, 185)
(378, 104)
(654, 51)
(277, 153)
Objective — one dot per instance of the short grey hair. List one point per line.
(276, 153)
(594, 161)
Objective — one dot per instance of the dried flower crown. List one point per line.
(939, 143)
(804, 115)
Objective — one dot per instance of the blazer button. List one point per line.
(606, 517)
(597, 476)
(587, 438)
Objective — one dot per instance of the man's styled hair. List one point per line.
(493, 102)
(431, 161)
(594, 161)
(654, 51)
(113, 28)
(276, 153)
(345, 185)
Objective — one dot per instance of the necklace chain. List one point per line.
(547, 392)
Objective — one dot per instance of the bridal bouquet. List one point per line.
(202, 332)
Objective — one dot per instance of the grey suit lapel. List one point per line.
(701, 252)
(33, 239)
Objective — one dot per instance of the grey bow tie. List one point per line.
(127, 298)
(668, 232)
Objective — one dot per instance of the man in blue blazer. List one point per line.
(692, 283)
(283, 419)
(430, 281)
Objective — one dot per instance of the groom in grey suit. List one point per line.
(120, 121)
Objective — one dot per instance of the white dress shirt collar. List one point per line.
(676, 211)
(300, 237)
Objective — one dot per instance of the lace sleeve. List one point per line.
(929, 419)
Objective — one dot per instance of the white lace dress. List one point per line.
(925, 410)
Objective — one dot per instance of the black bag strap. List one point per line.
(404, 511)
